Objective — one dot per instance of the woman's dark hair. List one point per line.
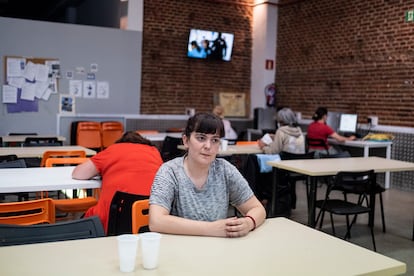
(207, 123)
(133, 137)
(319, 113)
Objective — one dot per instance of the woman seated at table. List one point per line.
(320, 130)
(129, 166)
(288, 136)
(191, 194)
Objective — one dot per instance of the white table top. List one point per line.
(331, 166)
(279, 247)
(37, 152)
(42, 179)
(22, 138)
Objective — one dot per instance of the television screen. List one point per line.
(210, 45)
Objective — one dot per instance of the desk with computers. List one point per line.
(347, 125)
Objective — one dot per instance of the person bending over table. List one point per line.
(129, 165)
(318, 129)
(191, 194)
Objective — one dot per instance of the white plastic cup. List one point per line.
(224, 144)
(150, 249)
(127, 251)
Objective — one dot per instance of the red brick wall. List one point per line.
(171, 81)
(350, 56)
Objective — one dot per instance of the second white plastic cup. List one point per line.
(150, 247)
(127, 250)
(224, 144)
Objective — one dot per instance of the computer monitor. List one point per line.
(333, 120)
(348, 123)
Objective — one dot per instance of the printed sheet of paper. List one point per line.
(9, 94)
(102, 91)
(15, 67)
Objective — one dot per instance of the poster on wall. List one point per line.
(67, 104)
(234, 104)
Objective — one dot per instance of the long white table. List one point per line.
(21, 138)
(37, 152)
(42, 179)
(279, 247)
(331, 166)
(367, 145)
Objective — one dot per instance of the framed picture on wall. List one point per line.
(235, 104)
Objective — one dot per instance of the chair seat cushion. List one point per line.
(75, 204)
(341, 207)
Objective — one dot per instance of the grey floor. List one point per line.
(399, 216)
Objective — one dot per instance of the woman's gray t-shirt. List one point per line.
(174, 190)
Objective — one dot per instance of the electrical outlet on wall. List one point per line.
(373, 120)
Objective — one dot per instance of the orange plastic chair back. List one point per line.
(61, 153)
(111, 131)
(88, 135)
(246, 143)
(28, 212)
(139, 219)
(50, 162)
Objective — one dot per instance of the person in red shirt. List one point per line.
(320, 130)
(129, 166)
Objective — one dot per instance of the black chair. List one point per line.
(362, 183)
(41, 142)
(169, 148)
(11, 162)
(294, 177)
(90, 227)
(319, 143)
(120, 213)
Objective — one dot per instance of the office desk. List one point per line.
(279, 247)
(37, 152)
(42, 179)
(366, 145)
(331, 166)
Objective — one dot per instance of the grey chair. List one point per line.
(84, 228)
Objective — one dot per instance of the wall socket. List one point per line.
(373, 120)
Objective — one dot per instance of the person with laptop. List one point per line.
(319, 130)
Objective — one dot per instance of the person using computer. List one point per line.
(319, 130)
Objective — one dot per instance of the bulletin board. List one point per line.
(51, 85)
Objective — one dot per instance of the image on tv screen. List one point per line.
(210, 45)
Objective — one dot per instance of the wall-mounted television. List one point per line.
(210, 45)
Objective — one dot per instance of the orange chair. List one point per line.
(111, 131)
(73, 205)
(28, 212)
(139, 219)
(245, 143)
(88, 135)
(61, 153)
